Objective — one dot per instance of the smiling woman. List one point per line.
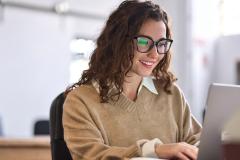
(127, 103)
(148, 55)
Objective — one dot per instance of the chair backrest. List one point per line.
(41, 127)
(59, 148)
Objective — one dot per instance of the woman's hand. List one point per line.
(181, 151)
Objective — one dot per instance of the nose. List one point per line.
(153, 53)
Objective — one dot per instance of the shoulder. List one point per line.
(82, 92)
(81, 102)
(81, 96)
(174, 88)
(178, 93)
(77, 106)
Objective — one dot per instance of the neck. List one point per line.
(131, 85)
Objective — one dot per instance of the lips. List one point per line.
(147, 63)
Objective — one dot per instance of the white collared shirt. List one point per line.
(148, 83)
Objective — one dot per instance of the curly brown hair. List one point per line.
(113, 56)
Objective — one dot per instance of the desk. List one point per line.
(37, 148)
(231, 150)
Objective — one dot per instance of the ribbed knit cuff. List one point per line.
(140, 144)
(148, 148)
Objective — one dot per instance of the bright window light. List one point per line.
(82, 46)
(230, 17)
(81, 50)
(76, 69)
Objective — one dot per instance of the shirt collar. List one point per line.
(148, 83)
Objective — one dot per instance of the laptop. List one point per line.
(222, 102)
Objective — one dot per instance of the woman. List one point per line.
(126, 104)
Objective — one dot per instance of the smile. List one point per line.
(147, 63)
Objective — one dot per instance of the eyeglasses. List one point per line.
(146, 43)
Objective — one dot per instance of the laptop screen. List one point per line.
(222, 102)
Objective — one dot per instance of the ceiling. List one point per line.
(92, 8)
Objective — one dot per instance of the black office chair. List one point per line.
(59, 148)
(41, 127)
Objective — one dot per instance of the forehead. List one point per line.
(154, 29)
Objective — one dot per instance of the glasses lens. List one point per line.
(143, 44)
(163, 46)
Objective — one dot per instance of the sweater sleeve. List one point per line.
(191, 128)
(85, 140)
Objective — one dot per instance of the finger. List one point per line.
(191, 153)
(182, 156)
(189, 150)
(191, 147)
(188, 145)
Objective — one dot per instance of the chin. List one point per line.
(145, 74)
(142, 72)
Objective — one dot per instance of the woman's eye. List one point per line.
(163, 43)
(142, 41)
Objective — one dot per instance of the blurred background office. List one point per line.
(45, 45)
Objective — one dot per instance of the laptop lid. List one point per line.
(222, 102)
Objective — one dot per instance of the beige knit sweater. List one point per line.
(116, 130)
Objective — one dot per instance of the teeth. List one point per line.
(147, 63)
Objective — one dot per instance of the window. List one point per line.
(81, 50)
(230, 15)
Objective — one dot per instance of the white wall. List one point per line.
(213, 56)
(205, 30)
(34, 60)
(227, 55)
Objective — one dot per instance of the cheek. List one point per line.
(135, 60)
(137, 56)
